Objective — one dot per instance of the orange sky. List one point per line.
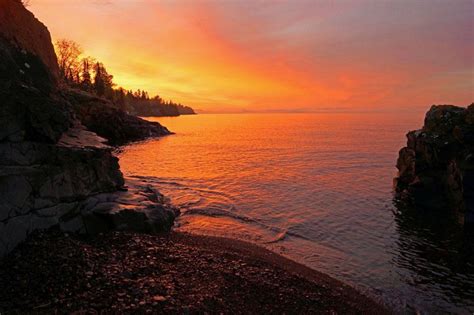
(278, 55)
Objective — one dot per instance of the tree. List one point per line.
(77, 72)
(86, 81)
(99, 85)
(68, 53)
(121, 99)
(103, 82)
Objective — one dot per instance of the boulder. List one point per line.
(140, 208)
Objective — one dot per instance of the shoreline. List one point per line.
(281, 261)
(176, 272)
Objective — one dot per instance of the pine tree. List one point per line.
(121, 100)
(86, 82)
(99, 85)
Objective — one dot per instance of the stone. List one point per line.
(58, 210)
(89, 204)
(43, 223)
(14, 190)
(105, 207)
(43, 203)
(74, 225)
(4, 211)
(15, 231)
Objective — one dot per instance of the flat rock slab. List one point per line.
(79, 137)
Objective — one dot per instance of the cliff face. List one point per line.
(53, 171)
(19, 27)
(436, 168)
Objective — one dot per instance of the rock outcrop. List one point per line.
(53, 171)
(436, 168)
(120, 128)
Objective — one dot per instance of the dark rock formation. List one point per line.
(20, 28)
(54, 172)
(120, 128)
(436, 168)
(140, 208)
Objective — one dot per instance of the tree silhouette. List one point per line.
(77, 73)
(86, 82)
(99, 85)
(103, 81)
(68, 53)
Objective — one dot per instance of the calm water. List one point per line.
(316, 188)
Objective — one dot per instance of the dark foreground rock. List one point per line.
(52, 169)
(137, 208)
(436, 168)
(178, 273)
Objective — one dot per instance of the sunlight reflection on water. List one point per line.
(314, 187)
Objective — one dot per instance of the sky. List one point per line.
(295, 55)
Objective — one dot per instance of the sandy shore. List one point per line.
(176, 273)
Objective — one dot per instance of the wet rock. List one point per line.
(436, 165)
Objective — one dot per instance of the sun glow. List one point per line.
(307, 56)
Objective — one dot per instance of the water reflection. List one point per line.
(438, 252)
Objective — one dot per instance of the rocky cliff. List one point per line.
(20, 28)
(436, 168)
(53, 171)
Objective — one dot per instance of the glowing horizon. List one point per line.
(278, 56)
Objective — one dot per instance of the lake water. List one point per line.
(318, 189)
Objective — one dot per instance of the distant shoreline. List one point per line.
(150, 116)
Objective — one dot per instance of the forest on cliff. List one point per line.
(91, 75)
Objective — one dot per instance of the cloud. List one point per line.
(280, 54)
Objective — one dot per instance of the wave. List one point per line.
(194, 201)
